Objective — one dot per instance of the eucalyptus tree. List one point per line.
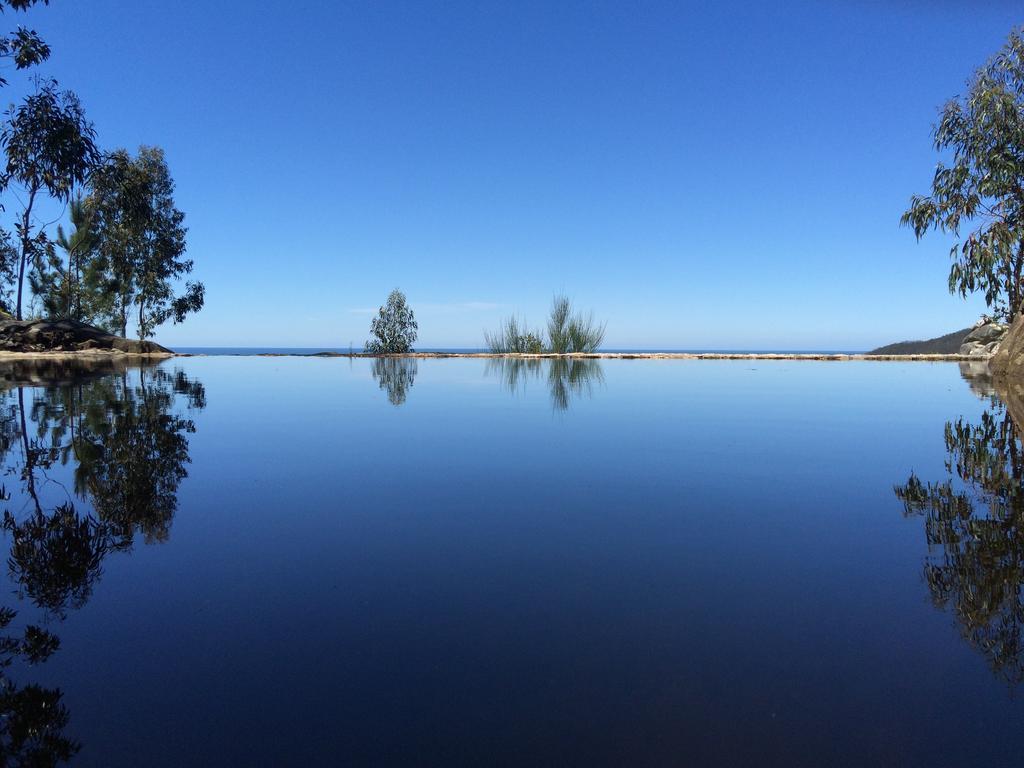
(977, 193)
(51, 149)
(394, 329)
(140, 242)
(23, 46)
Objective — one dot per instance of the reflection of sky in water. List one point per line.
(636, 561)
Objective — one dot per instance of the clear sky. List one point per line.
(703, 175)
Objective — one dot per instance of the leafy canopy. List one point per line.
(978, 194)
(140, 242)
(50, 144)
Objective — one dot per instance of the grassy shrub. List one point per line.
(570, 332)
(514, 336)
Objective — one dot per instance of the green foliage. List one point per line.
(978, 195)
(24, 47)
(513, 336)
(126, 253)
(394, 329)
(50, 149)
(139, 243)
(66, 282)
(569, 332)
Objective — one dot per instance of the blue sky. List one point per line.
(706, 175)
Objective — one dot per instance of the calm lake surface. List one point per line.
(267, 561)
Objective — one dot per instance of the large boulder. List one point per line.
(1008, 359)
(986, 333)
(69, 336)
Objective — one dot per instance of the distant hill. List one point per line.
(943, 345)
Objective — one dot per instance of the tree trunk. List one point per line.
(68, 285)
(26, 219)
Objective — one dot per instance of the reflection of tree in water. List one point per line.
(974, 525)
(56, 558)
(567, 377)
(395, 375)
(128, 447)
(32, 718)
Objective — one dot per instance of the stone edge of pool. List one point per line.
(116, 354)
(620, 356)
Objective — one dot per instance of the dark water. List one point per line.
(241, 561)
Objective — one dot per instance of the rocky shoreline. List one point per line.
(49, 338)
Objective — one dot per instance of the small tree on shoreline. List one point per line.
(984, 184)
(394, 329)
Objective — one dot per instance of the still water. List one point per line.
(270, 561)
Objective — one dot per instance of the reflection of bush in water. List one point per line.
(395, 375)
(567, 377)
(974, 520)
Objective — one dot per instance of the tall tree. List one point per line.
(50, 150)
(140, 242)
(978, 196)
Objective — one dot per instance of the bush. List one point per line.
(569, 332)
(513, 336)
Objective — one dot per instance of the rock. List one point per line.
(986, 333)
(68, 336)
(1008, 360)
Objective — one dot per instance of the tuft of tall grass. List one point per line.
(514, 336)
(570, 332)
